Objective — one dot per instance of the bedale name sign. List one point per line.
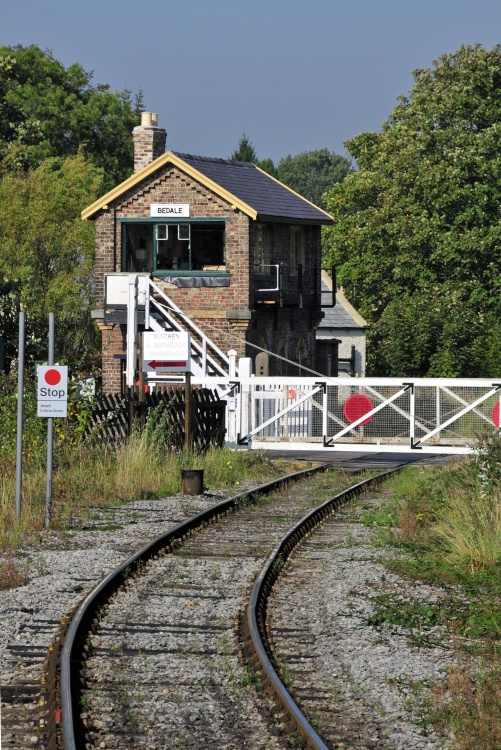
(52, 391)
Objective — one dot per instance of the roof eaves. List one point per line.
(341, 299)
(154, 166)
(289, 219)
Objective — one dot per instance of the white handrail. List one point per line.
(189, 323)
(195, 345)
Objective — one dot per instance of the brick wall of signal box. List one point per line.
(209, 307)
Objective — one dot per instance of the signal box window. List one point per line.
(262, 249)
(173, 247)
(167, 248)
(297, 249)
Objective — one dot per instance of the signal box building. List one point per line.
(237, 251)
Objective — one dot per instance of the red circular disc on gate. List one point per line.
(52, 377)
(495, 415)
(356, 406)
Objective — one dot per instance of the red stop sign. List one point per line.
(356, 406)
(52, 377)
(495, 415)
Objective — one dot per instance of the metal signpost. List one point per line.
(20, 396)
(52, 401)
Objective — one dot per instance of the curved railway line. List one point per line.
(164, 651)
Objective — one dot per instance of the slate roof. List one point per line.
(242, 184)
(342, 315)
(269, 197)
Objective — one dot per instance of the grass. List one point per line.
(446, 524)
(85, 478)
(469, 703)
(12, 574)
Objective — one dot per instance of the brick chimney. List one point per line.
(149, 140)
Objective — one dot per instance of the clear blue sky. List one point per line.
(294, 76)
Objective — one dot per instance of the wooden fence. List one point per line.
(113, 417)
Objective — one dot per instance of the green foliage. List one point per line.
(34, 432)
(475, 619)
(313, 173)
(449, 519)
(49, 111)
(245, 150)
(469, 704)
(417, 226)
(46, 257)
(67, 432)
(268, 166)
(310, 174)
(159, 430)
(63, 141)
(447, 524)
(450, 522)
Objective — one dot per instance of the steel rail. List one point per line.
(82, 621)
(257, 646)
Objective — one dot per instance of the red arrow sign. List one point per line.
(155, 365)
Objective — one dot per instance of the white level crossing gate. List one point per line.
(370, 414)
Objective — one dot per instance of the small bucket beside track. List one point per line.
(192, 481)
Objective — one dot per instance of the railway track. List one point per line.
(153, 657)
(172, 637)
(60, 570)
(161, 660)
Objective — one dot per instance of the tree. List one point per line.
(268, 166)
(245, 150)
(48, 111)
(418, 226)
(312, 173)
(46, 257)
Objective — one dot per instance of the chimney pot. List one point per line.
(149, 119)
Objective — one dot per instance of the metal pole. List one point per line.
(187, 412)
(50, 428)
(20, 394)
(130, 370)
(412, 420)
(141, 379)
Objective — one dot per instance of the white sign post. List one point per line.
(168, 351)
(52, 391)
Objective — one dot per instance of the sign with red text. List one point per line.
(52, 391)
(168, 351)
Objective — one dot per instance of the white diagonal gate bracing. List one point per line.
(441, 415)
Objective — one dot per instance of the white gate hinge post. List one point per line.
(412, 413)
(232, 400)
(147, 306)
(131, 356)
(325, 413)
(244, 371)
